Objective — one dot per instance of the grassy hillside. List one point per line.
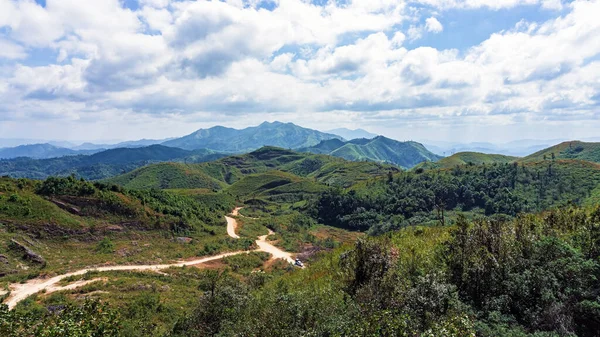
(101, 165)
(275, 186)
(71, 223)
(467, 158)
(168, 176)
(221, 173)
(380, 149)
(568, 150)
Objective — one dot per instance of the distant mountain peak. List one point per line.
(378, 149)
(219, 138)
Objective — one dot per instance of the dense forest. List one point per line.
(418, 197)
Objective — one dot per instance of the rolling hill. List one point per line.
(219, 138)
(39, 151)
(380, 149)
(568, 150)
(467, 158)
(102, 164)
(221, 173)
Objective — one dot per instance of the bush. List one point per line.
(105, 246)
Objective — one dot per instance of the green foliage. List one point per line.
(534, 276)
(92, 318)
(245, 263)
(105, 246)
(497, 189)
(66, 186)
(467, 158)
(537, 274)
(568, 150)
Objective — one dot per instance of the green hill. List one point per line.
(168, 176)
(379, 149)
(72, 223)
(275, 186)
(219, 138)
(103, 164)
(39, 151)
(419, 196)
(467, 158)
(568, 150)
(227, 171)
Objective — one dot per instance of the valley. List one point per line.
(180, 242)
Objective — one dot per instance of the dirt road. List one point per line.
(20, 291)
(265, 246)
(232, 223)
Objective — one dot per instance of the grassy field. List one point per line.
(568, 150)
(466, 158)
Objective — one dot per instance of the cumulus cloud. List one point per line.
(10, 50)
(350, 60)
(433, 25)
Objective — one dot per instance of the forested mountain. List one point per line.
(219, 138)
(39, 151)
(467, 158)
(568, 150)
(379, 149)
(102, 164)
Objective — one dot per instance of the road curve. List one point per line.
(232, 223)
(20, 291)
(265, 246)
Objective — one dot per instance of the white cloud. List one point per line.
(474, 4)
(10, 50)
(197, 59)
(433, 25)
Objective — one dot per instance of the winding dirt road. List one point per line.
(232, 223)
(20, 291)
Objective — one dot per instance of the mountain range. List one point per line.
(103, 164)
(378, 149)
(219, 138)
(39, 151)
(93, 162)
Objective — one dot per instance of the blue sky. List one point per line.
(448, 70)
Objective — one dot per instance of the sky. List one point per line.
(446, 70)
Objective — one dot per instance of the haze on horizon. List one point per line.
(441, 70)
